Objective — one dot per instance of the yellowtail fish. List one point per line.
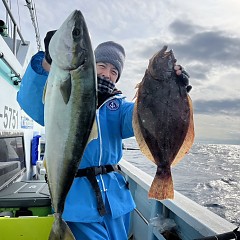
(70, 108)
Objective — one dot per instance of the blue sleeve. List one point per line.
(36, 63)
(30, 93)
(126, 120)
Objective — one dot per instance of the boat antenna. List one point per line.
(32, 10)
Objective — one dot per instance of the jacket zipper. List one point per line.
(100, 147)
(100, 137)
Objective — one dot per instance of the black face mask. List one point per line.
(105, 86)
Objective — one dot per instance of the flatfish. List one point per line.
(163, 120)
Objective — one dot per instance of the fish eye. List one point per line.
(76, 32)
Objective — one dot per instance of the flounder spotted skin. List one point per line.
(163, 120)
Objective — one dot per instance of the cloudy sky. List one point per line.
(205, 37)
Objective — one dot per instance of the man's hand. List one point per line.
(183, 76)
(46, 44)
(46, 66)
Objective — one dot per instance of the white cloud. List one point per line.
(142, 27)
(215, 128)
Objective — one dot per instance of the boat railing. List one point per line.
(14, 49)
(192, 220)
(16, 29)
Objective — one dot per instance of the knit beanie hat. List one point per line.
(111, 52)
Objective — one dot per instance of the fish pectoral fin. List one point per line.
(94, 132)
(137, 87)
(66, 88)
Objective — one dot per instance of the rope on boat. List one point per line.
(33, 14)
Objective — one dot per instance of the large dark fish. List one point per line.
(70, 109)
(163, 120)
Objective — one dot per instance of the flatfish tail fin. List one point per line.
(60, 230)
(162, 187)
(189, 139)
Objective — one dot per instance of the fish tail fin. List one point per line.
(162, 187)
(60, 230)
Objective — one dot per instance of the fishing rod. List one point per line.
(235, 234)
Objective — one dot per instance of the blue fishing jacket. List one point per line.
(114, 120)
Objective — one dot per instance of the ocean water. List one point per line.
(209, 175)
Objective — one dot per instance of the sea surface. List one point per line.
(209, 175)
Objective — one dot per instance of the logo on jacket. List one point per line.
(113, 105)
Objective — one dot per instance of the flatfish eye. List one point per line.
(76, 32)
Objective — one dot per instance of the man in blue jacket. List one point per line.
(96, 208)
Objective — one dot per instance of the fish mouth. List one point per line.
(162, 61)
(163, 53)
(71, 45)
(166, 54)
(80, 35)
(77, 14)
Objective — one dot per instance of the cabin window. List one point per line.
(12, 157)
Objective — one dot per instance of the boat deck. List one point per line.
(192, 220)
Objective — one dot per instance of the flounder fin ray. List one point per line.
(139, 137)
(189, 139)
(137, 86)
(161, 188)
(94, 132)
(60, 230)
(66, 89)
